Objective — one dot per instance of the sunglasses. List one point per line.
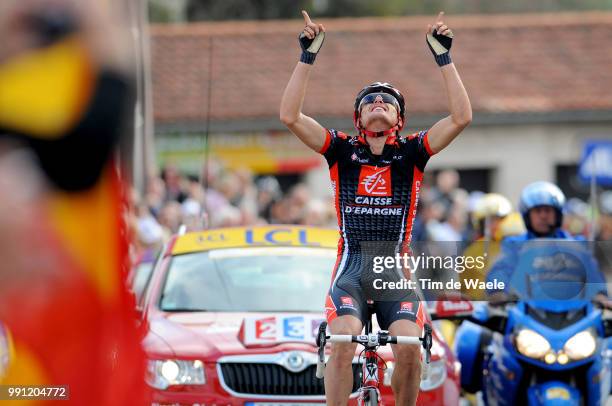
(386, 98)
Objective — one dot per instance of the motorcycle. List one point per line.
(547, 343)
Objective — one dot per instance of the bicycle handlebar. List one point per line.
(373, 339)
(406, 340)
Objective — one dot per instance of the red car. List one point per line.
(232, 315)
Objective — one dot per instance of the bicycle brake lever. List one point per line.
(427, 342)
(383, 337)
(321, 341)
(322, 335)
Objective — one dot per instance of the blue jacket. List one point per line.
(507, 261)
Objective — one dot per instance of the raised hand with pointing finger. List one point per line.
(440, 39)
(311, 39)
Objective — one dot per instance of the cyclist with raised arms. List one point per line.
(376, 177)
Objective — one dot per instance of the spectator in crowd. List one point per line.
(156, 195)
(175, 183)
(315, 213)
(191, 214)
(227, 216)
(268, 192)
(170, 218)
(447, 185)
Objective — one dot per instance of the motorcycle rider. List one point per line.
(541, 205)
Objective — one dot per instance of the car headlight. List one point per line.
(581, 345)
(164, 373)
(531, 344)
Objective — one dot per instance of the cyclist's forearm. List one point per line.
(458, 100)
(293, 97)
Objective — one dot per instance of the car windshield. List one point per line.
(270, 279)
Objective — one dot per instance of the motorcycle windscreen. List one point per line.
(556, 275)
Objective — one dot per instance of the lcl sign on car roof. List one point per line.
(260, 236)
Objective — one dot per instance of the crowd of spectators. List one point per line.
(236, 197)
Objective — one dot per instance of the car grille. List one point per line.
(273, 379)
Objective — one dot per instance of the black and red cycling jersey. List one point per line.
(376, 199)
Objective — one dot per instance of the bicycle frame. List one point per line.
(369, 371)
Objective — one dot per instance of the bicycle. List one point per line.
(369, 394)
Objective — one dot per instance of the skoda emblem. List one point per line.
(295, 361)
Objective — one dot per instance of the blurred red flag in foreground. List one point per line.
(63, 246)
(68, 311)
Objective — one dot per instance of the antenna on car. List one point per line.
(204, 172)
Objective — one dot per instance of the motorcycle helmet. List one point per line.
(541, 194)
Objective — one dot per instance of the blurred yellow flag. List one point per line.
(43, 92)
